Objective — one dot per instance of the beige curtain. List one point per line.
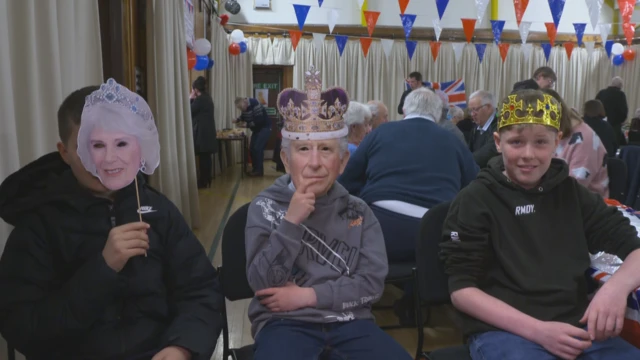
(272, 51)
(47, 50)
(169, 100)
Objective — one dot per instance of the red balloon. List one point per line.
(234, 49)
(191, 59)
(629, 54)
(224, 19)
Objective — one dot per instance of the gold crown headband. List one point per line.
(509, 115)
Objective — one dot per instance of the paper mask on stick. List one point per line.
(117, 136)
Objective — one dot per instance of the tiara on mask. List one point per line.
(544, 112)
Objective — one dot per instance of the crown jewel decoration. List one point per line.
(314, 114)
(545, 112)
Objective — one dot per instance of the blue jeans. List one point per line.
(353, 340)
(498, 345)
(258, 142)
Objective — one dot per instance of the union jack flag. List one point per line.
(454, 89)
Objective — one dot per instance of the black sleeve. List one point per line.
(195, 297)
(624, 107)
(401, 105)
(39, 307)
(196, 106)
(605, 227)
(466, 249)
(485, 153)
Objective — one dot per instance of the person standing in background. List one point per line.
(204, 130)
(254, 115)
(616, 107)
(415, 82)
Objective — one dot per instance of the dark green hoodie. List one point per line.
(530, 248)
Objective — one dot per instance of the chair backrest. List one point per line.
(432, 280)
(630, 154)
(234, 259)
(617, 170)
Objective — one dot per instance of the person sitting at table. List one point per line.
(255, 117)
(357, 119)
(516, 248)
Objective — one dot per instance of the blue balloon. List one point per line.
(618, 60)
(211, 63)
(243, 47)
(201, 63)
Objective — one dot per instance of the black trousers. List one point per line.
(206, 168)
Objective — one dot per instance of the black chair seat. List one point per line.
(243, 353)
(453, 353)
(398, 271)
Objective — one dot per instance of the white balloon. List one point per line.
(202, 47)
(245, 40)
(237, 36)
(617, 49)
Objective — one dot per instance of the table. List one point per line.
(229, 139)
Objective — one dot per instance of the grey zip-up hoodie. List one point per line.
(338, 251)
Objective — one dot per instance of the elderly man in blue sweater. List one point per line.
(402, 169)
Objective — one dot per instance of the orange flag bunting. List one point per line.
(372, 19)
(435, 49)
(295, 38)
(629, 30)
(569, 48)
(403, 5)
(551, 32)
(469, 26)
(365, 43)
(504, 50)
(521, 7)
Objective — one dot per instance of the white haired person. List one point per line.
(379, 113)
(358, 122)
(615, 107)
(315, 255)
(482, 107)
(444, 119)
(403, 171)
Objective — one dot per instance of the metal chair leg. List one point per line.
(418, 309)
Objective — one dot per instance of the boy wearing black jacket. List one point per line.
(517, 244)
(81, 277)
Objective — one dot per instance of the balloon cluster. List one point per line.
(238, 43)
(620, 55)
(198, 58)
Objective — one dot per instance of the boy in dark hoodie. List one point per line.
(88, 274)
(517, 244)
(316, 257)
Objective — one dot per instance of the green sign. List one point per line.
(273, 86)
(271, 111)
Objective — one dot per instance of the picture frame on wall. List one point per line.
(262, 4)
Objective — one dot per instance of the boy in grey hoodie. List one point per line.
(315, 255)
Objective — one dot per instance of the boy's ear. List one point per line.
(496, 138)
(62, 150)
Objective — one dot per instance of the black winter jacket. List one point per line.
(60, 300)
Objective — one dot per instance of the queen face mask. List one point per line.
(117, 136)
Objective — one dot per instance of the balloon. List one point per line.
(224, 19)
(201, 63)
(202, 47)
(211, 63)
(618, 60)
(237, 36)
(617, 49)
(234, 49)
(629, 54)
(243, 47)
(191, 59)
(245, 40)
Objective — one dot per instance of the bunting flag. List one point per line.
(504, 50)
(579, 27)
(301, 14)
(607, 46)
(594, 6)
(457, 50)
(626, 9)
(437, 28)
(364, 6)
(629, 29)
(497, 26)
(341, 41)
(403, 5)
(481, 9)
(435, 49)
(551, 32)
(387, 46)
(360, 3)
(480, 49)
(546, 48)
(365, 43)
(605, 29)
(557, 7)
(372, 20)
(320, 3)
(318, 41)
(442, 6)
(526, 51)
(568, 46)
(407, 23)
(520, 7)
(524, 30)
(590, 46)
(333, 19)
(469, 26)
(411, 48)
(295, 38)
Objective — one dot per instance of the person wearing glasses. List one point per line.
(483, 112)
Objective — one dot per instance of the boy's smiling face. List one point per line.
(527, 151)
